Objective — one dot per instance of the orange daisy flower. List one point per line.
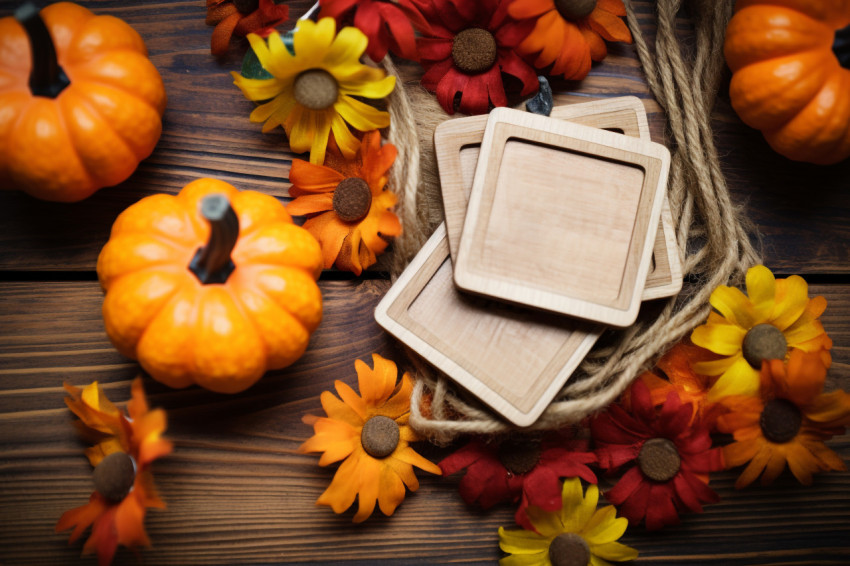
(122, 478)
(787, 422)
(691, 387)
(370, 433)
(568, 34)
(347, 204)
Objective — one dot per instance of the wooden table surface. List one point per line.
(237, 490)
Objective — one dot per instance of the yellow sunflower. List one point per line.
(370, 432)
(578, 531)
(311, 93)
(774, 317)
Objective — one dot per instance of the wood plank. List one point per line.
(238, 491)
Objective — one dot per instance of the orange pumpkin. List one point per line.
(79, 109)
(788, 80)
(212, 286)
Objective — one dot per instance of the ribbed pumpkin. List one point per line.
(788, 80)
(80, 103)
(212, 286)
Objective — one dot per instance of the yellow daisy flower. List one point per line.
(578, 533)
(774, 317)
(311, 93)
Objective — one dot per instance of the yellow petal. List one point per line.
(537, 559)
(733, 305)
(320, 138)
(362, 116)
(761, 288)
(604, 526)
(723, 339)
(303, 130)
(520, 541)
(348, 45)
(714, 367)
(792, 296)
(312, 39)
(368, 88)
(740, 379)
(546, 523)
(577, 509)
(345, 140)
(258, 89)
(614, 551)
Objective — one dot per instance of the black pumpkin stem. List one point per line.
(841, 47)
(47, 77)
(212, 263)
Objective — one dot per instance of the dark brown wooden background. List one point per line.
(236, 489)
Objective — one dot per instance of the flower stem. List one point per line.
(841, 47)
(47, 77)
(212, 263)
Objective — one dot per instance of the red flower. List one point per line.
(469, 46)
(527, 472)
(671, 458)
(388, 25)
(241, 17)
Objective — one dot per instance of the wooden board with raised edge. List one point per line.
(559, 217)
(514, 359)
(457, 144)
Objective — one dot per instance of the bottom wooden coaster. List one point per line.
(513, 359)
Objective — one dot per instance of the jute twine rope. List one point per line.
(712, 236)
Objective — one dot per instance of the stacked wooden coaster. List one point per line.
(555, 227)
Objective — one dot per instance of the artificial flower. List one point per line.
(122, 458)
(774, 317)
(677, 367)
(241, 17)
(388, 25)
(668, 456)
(370, 433)
(578, 529)
(468, 47)
(312, 93)
(348, 204)
(567, 34)
(526, 471)
(788, 421)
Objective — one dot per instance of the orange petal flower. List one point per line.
(568, 38)
(787, 422)
(348, 207)
(370, 433)
(117, 521)
(691, 387)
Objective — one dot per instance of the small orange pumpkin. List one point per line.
(788, 80)
(80, 103)
(212, 286)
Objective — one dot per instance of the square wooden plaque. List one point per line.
(514, 359)
(559, 217)
(457, 145)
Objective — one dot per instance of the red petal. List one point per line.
(400, 30)
(512, 64)
(660, 510)
(474, 96)
(368, 20)
(463, 457)
(335, 8)
(451, 84)
(542, 489)
(434, 48)
(431, 79)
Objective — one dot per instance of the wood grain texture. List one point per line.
(512, 358)
(457, 145)
(238, 492)
(562, 217)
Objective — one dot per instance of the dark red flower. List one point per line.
(388, 25)
(666, 456)
(470, 44)
(526, 471)
(241, 17)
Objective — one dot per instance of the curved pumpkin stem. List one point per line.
(47, 77)
(212, 263)
(841, 47)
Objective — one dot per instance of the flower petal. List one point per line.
(761, 288)
(792, 297)
(723, 339)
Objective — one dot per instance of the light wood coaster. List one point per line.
(458, 142)
(559, 217)
(514, 359)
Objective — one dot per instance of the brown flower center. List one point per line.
(474, 50)
(246, 6)
(780, 420)
(659, 460)
(316, 89)
(569, 549)
(575, 9)
(519, 458)
(379, 436)
(764, 342)
(352, 199)
(115, 475)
